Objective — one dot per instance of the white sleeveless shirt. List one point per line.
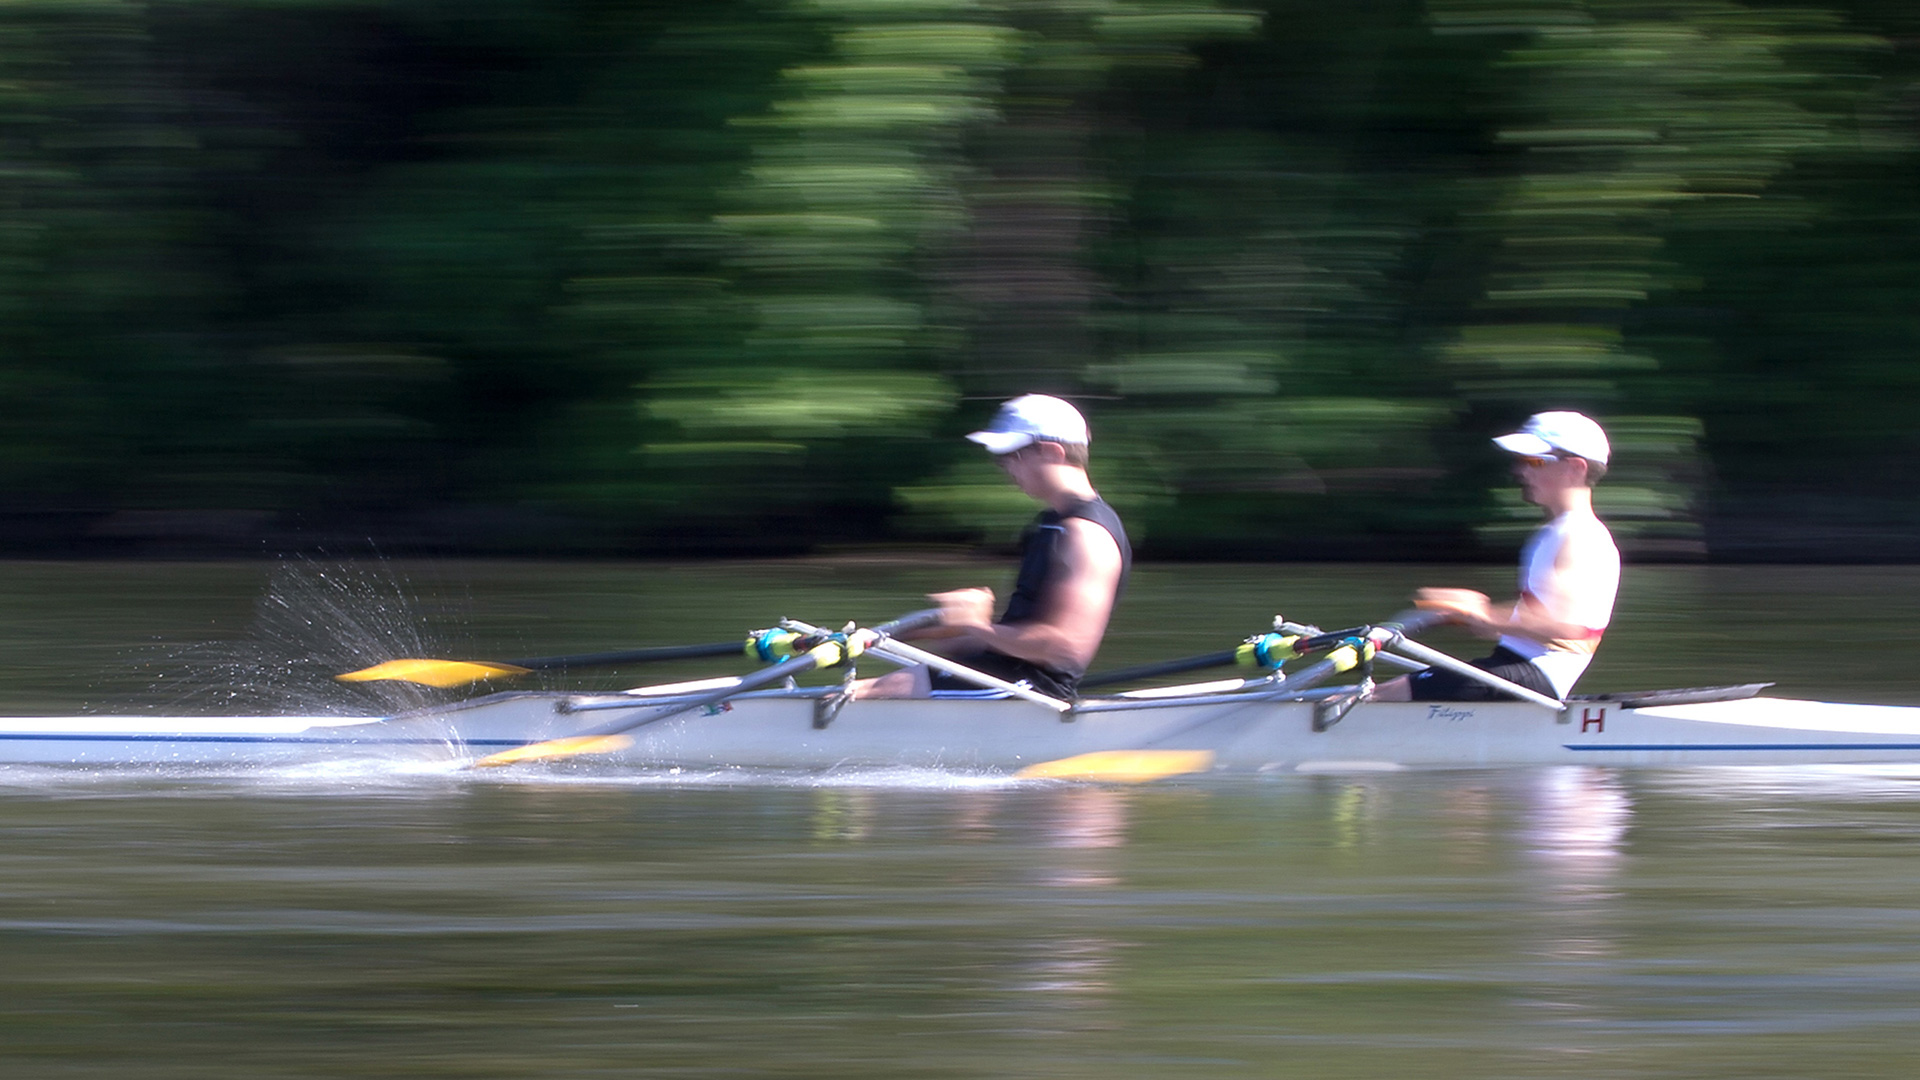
(1582, 595)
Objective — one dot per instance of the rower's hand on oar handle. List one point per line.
(963, 611)
(1463, 606)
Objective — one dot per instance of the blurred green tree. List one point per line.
(1632, 121)
(577, 275)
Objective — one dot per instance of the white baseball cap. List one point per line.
(1567, 432)
(1033, 417)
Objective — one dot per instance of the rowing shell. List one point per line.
(1245, 732)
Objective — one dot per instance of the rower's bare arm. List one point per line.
(1066, 630)
(1525, 617)
(1531, 619)
(1543, 617)
(1463, 607)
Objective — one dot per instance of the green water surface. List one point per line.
(354, 922)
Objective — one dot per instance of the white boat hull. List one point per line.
(778, 732)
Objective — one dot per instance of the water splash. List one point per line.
(314, 621)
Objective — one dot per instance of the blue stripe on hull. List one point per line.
(1747, 746)
(289, 739)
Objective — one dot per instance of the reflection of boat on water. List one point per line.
(1245, 729)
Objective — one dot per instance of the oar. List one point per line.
(1268, 650)
(1121, 766)
(1289, 641)
(1348, 650)
(1141, 766)
(450, 673)
(1460, 667)
(1165, 667)
(1346, 655)
(612, 735)
(899, 652)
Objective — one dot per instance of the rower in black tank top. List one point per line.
(1037, 569)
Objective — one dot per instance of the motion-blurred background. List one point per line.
(730, 276)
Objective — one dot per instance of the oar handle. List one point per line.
(911, 621)
(1408, 624)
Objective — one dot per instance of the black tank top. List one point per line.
(1038, 566)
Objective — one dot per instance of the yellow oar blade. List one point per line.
(1121, 766)
(556, 748)
(441, 673)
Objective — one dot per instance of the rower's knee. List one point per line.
(1398, 688)
(912, 682)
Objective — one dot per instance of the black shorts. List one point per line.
(1051, 683)
(1436, 684)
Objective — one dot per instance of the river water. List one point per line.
(421, 922)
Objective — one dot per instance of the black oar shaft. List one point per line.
(1166, 667)
(630, 656)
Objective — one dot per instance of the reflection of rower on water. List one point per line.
(1569, 572)
(1073, 563)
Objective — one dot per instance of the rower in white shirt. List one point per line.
(1569, 572)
